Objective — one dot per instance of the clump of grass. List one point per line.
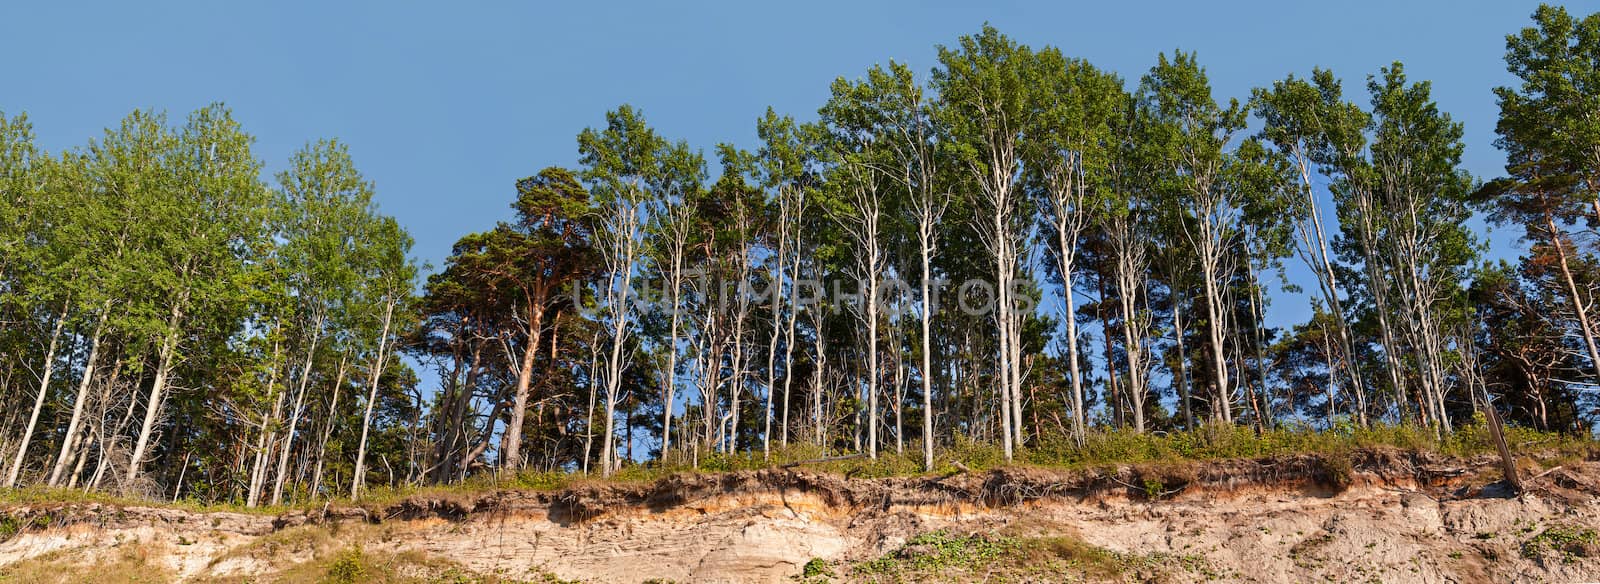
(122, 563)
(1337, 470)
(945, 556)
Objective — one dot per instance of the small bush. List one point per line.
(817, 568)
(348, 568)
(1337, 470)
(9, 527)
(1153, 489)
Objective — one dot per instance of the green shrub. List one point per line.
(349, 568)
(9, 527)
(817, 568)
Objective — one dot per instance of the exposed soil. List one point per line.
(1374, 515)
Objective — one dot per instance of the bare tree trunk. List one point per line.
(1314, 250)
(1002, 317)
(152, 410)
(594, 392)
(1130, 269)
(65, 456)
(626, 247)
(1219, 360)
(775, 293)
(83, 458)
(1578, 307)
(925, 236)
(294, 414)
(789, 335)
(817, 375)
(519, 408)
(675, 280)
(38, 401)
(266, 438)
(327, 430)
(358, 478)
(1183, 359)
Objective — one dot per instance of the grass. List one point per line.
(943, 556)
(125, 564)
(939, 552)
(1100, 449)
(1212, 442)
(352, 564)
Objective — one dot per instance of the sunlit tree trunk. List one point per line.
(80, 400)
(358, 478)
(48, 367)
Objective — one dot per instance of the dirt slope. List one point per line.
(1379, 516)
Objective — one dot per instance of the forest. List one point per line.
(1016, 250)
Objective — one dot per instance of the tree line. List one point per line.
(1016, 249)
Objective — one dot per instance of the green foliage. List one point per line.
(348, 568)
(9, 527)
(816, 568)
(238, 313)
(939, 551)
(1569, 542)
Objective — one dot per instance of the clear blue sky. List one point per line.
(445, 106)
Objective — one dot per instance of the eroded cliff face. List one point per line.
(1375, 516)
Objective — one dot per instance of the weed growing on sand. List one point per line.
(940, 551)
(1569, 542)
(948, 557)
(817, 571)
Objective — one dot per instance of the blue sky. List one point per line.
(445, 107)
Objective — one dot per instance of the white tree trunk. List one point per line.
(294, 414)
(358, 478)
(152, 412)
(38, 401)
(80, 400)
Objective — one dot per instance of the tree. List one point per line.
(385, 289)
(989, 86)
(627, 166)
(203, 241)
(671, 231)
(1402, 213)
(1193, 133)
(1552, 146)
(784, 159)
(1296, 114)
(328, 208)
(1069, 161)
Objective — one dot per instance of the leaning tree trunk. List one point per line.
(519, 408)
(38, 401)
(294, 415)
(79, 401)
(152, 406)
(1578, 307)
(358, 478)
